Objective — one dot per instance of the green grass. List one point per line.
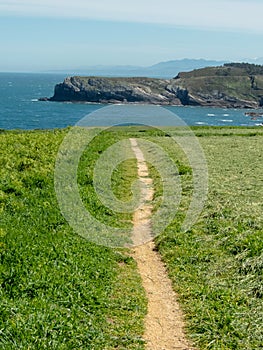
(216, 267)
(59, 291)
(122, 178)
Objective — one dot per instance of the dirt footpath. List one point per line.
(164, 324)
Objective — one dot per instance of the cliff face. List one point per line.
(115, 90)
(232, 85)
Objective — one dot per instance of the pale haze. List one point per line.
(46, 35)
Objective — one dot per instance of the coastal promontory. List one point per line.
(233, 85)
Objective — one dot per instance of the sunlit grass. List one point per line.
(216, 267)
(59, 291)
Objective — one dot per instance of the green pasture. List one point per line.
(60, 291)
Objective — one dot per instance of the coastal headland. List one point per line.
(233, 85)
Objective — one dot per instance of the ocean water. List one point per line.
(20, 108)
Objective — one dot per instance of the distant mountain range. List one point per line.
(165, 70)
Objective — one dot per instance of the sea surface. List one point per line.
(20, 108)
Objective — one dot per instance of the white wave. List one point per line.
(225, 115)
(200, 123)
(210, 114)
(34, 100)
(227, 120)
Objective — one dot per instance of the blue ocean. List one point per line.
(20, 108)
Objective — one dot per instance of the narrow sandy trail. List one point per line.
(164, 326)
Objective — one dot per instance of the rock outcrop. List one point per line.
(232, 85)
(114, 90)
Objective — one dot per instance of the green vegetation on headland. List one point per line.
(59, 291)
(233, 85)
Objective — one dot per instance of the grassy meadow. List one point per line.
(217, 266)
(59, 291)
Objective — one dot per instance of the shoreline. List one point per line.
(112, 103)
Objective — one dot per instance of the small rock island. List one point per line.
(233, 85)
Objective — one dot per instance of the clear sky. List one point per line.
(37, 35)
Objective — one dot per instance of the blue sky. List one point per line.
(62, 34)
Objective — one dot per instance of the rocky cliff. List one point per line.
(232, 85)
(115, 90)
